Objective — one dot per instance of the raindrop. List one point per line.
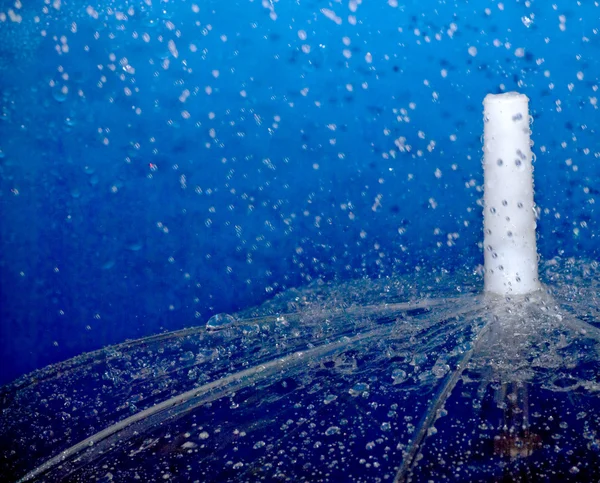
(150, 21)
(399, 376)
(219, 321)
(358, 389)
(59, 93)
(527, 21)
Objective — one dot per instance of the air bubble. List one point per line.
(499, 162)
(509, 234)
(492, 210)
(504, 203)
(519, 205)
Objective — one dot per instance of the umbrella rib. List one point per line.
(437, 403)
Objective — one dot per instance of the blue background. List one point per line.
(128, 208)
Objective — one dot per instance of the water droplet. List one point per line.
(164, 13)
(332, 430)
(150, 21)
(59, 93)
(219, 321)
(358, 389)
(330, 398)
(186, 356)
(439, 370)
(250, 330)
(399, 376)
(386, 426)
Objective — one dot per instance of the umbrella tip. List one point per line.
(510, 252)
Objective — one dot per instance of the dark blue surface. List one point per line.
(84, 259)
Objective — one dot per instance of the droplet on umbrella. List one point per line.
(219, 321)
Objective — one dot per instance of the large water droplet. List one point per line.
(59, 93)
(219, 321)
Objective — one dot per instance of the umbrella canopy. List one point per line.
(366, 381)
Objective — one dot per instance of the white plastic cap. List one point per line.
(509, 220)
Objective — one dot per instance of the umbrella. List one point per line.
(368, 380)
